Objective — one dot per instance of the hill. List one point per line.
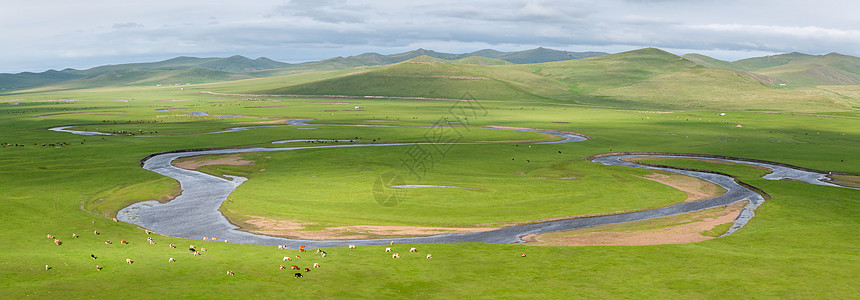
(137, 73)
(795, 69)
(264, 67)
(646, 78)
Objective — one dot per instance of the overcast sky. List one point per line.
(54, 34)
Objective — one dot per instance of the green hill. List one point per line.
(423, 76)
(646, 78)
(264, 67)
(794, 69)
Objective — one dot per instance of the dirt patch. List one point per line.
(680, 229)
(295, 229)
(194, 164)
(695, 188)
(846, 180)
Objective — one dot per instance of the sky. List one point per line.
(56, 34)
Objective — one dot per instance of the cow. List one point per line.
(50, 236)
(95, 232)
(307, 270)
(287, 258)
(388, 249)
(429, 256)
(298, 275)
(107, 242)
(413, 249)
(56, 241)
(93, 256)
(395, 255)
(523, 255)
(98, 268)
(230, 273)
(74, 235)
(172, 246)
(124, 242)
(294, 267)
(323, 254)
(47, 267)
(316, 265)
(282, 267)
(171, 260)
(351, 246)
(196, 253)
(128, 261)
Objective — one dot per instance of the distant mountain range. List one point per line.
(201, 70)
(644, 78)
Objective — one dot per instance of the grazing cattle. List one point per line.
(128, 261)
(214, 238)
(50, 236)
(429, 256)
(230, 273)
(297, 256)
(395, 255)
(107, 242)
(413, 249)
(323, 254)
(123, 242)
(298, 275)
(115, 220)
(202, 249)
(95, 232)
(523, 255)
(388, 249)
(74, 235)
(351, 246)
(98, 268)
(280, 246)
(307, 270)
(151, 242)
(56, 241)
(392, 243)
(196, 253)
(172, 246)
(294, 267)
(316, 265)
(282, 267)
(148, 232)
(191, 247)
(47, 267)
(171, 260)
(204, 238)
(287, 258)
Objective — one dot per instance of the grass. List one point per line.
(800, 244)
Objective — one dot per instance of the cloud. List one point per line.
(126, 25)
(279, 29)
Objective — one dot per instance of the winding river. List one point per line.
(194, 214)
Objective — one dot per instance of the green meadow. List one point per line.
(801, 244)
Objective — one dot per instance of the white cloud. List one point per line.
(59, 34)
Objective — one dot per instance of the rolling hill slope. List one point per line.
(646, 78)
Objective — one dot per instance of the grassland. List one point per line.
(801, 244)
